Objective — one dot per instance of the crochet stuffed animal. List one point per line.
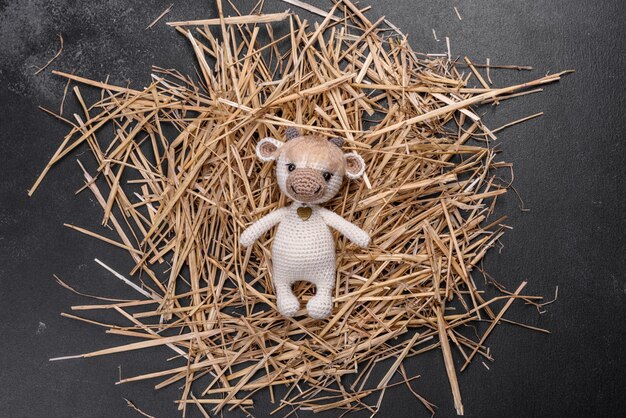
(309, 171)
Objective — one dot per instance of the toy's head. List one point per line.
(309, 168)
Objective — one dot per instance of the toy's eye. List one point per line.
(327, 175)
(291, 166)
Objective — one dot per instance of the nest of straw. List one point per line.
(179, 182)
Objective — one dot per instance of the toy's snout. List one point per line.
(306, 184)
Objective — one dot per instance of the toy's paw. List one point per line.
(363, 240)
(246, 239)
(287, 305)
(320, 307)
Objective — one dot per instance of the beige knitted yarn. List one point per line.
(310, 171)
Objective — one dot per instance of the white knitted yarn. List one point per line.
(304, 250)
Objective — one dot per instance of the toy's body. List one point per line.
(310, 171)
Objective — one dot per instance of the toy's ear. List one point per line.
(267, 149)
(355, 166)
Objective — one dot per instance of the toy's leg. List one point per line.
(321, 305)
(286, 302)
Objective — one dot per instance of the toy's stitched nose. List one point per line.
(306, 184)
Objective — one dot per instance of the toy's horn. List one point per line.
(337, 141)
(292, 133)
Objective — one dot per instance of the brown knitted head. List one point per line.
(310, 168)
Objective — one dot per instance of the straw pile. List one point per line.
(180, 181)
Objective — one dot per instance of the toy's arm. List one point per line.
(260, 227)
(349, 230)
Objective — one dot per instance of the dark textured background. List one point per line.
(569, 166)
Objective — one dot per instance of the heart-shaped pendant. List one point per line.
(304, 212)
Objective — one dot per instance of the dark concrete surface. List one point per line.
(569, 168)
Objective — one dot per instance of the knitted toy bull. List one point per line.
(309, 171)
